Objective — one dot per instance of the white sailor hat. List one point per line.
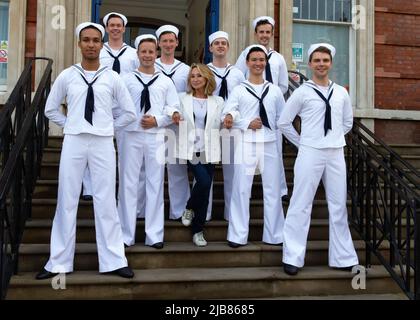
(315, 46)
(269, 19)
(167, 28)
(84, 25)
(123, 17)
(218, 35)
(256, 46)
(143, 37)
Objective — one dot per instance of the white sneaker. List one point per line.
(187, 217)
(199, 240)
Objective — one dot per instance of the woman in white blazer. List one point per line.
(198, 143)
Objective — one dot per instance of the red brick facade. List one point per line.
(30, 49)
(397, 65)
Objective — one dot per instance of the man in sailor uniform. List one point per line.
(275, 70)
(121, 58)
(326, 117)
(88, 141)
(177, 71)
(157, 104)
(259, 104)
(227, 77)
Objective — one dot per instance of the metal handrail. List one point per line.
(21, 169)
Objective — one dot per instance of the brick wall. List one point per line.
(397, 66)
(30, 46)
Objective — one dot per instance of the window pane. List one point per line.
(307, 34)
(296, 9)
(330, 10)
(338, 10)
(321, 10)
(4, 38)
(347, 11)
(313, 10)
(305, 9)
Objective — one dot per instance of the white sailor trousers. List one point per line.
(249, 156)
(178, 183)
(98, 154)
(311, 166)
(178, 188)
(138, 148)
(228, 164)
(283, 182)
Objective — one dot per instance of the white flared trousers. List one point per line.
(311, 166)
(138, 148)
(98, 154)
(249, 156)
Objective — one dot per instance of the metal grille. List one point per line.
(323, 10)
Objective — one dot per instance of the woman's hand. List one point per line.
(228, 123)
(176, 118)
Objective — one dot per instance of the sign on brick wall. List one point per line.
(3, 51)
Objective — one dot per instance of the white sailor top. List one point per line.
(163, 99)
(177, 72)
(129, 60)
(234, 77)
(71, 86)
(308, 105)
(278, 68)
(246, 107)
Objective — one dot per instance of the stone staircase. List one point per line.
(184, 271)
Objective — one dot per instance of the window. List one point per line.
(4, 40)
(324, 21)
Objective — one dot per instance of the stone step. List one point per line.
(186, 255)
(38, 231)
(47, 189)
(45, 209)
(49, 171)
(203, 283)
(52, 155)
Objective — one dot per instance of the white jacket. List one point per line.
(184, 145)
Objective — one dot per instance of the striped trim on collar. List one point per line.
(312, 85)
(139, 74)
(79, 69)
(108, 48)
(249, 86)
(214, 70)
(175, 68)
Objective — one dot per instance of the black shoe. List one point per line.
(234, 244)
(125, 272)
(290, 270)
(44, 274)
(274, 244)
(158, 245)
(348, 269)
(87, 198)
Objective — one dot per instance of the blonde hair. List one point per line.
(207, 74)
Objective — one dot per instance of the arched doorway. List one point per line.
(195, 21)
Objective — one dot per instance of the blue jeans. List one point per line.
(199, 200)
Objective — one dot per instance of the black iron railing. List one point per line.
(23, 134)
(385, 198)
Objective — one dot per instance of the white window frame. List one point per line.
(352, 49)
